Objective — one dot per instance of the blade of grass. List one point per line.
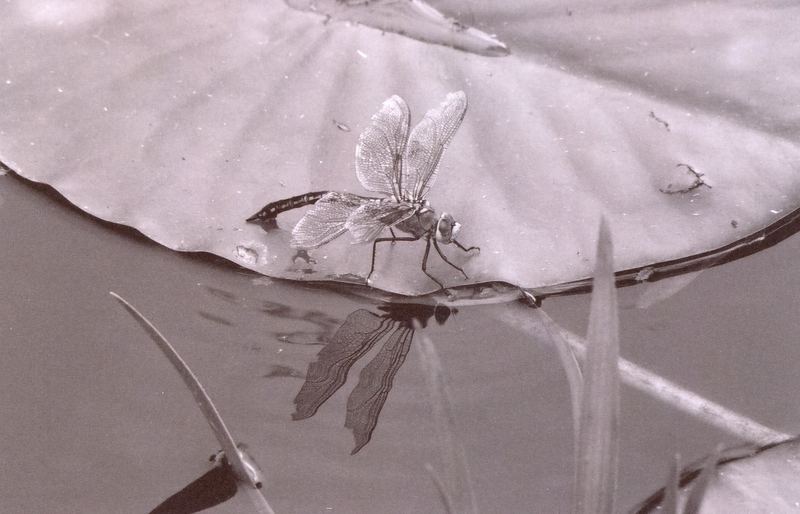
(456, 488)
(695, 498)
(598, 438)
(257, 498)
(670, 503)
(243, 467)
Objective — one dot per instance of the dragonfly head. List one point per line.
(446, 228)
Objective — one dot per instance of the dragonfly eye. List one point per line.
(447, 228)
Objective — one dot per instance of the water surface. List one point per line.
(96, 420)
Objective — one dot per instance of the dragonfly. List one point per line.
(401, 165)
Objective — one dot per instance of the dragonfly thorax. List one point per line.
(422, 222)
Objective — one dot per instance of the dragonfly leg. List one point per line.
(466, 249)
(425, 260)
(394, 236)
(436, 245)
(383, 240)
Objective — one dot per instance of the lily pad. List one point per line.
(182, 120)
(747, 479)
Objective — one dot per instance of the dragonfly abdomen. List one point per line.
(271, 210)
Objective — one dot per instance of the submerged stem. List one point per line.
(652, 384)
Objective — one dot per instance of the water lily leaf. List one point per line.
(747, 479)
(182, 120)
(412, 18)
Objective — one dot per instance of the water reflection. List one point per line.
(361, 331)
(324, 322)
(385, 333)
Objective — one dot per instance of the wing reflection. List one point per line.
(360, 332)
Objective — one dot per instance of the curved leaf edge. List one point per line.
(487, 292)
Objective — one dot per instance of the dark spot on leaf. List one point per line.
(697, 181)
(341, 126)
(659, 120)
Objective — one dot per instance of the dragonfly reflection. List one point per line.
(400, 164)
(358, 335)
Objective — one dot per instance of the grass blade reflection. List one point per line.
(454, 485)
(572, 370)
(650, 383)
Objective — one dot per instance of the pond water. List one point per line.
(96, 420)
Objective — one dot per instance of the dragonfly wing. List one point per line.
(367, 222)
(427, 142)
(326, 220)
(380, 148)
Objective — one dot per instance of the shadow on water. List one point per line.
(216, 486)
(361, 331)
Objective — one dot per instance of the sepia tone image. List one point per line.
(399, 256)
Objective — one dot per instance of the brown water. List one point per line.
(96, 420)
